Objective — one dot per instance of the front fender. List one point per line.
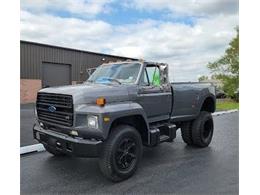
(113, 112)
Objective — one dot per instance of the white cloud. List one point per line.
(186, 48)
(88, 8)
(64, 31)
(187, 7)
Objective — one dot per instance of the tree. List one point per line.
(203, 78)
(226, 68)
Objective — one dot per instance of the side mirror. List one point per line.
(163, 73)
(90, 71)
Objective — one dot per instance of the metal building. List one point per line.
(43, 65)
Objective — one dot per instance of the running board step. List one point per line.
(165, 138)
(156, 135)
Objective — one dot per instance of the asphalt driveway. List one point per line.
(27, 119)
(169, 168)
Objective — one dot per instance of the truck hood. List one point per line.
(89, 92)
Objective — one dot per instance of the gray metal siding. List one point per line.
(32, 55)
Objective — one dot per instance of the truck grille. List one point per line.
(55, 108)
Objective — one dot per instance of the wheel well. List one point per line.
(208, 105)
(137, 121)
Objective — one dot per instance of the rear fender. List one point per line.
(213, 97)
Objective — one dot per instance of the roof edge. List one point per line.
(72, 49)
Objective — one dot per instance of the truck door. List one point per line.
(154, 96)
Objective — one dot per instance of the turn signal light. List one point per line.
(101, 101)
(73, 132)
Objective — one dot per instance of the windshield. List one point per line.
(119, 73)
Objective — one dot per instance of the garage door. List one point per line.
(54, 74)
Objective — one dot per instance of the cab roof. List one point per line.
(135, 61)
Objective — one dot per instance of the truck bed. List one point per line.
(188, 97)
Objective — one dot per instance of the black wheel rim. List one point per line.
(207, 129)
(126, 154)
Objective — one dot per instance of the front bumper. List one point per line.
(66, 144)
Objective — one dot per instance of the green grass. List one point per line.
(226, 105)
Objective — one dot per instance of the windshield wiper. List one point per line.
(111, 79)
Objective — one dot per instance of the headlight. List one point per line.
(92, 122)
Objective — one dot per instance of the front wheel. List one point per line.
(121, 153)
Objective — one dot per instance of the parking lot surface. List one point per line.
(27, 119)
(168, 168)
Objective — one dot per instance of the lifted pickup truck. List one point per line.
(122, 107)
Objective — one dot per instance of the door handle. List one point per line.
(145, 88)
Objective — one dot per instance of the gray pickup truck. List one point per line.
(122, 107)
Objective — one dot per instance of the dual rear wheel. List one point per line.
(198, 132)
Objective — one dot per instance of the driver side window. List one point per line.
(151, 76)
(153, 73)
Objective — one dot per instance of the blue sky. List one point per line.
(186, 34)
(130, 16)
(119, 14)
